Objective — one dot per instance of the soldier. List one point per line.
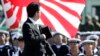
(20, 46)
(88, 45)
(58, 47)
(6, 49)
(95, 38)
(2, 35)
(74, 47)
(5, 37)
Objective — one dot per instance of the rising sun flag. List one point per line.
(61, 15)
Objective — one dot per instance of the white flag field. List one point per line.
(62, 16)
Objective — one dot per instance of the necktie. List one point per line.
(37, 26)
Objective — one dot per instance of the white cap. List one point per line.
(4, 31)
(16, 35)
(74, 40)
(93, 37)
(87, 42)
(54, 33)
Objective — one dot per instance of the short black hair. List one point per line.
(56, 34)
(20, 38)
(32, 8)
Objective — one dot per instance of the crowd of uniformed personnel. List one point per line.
(91, 23)
(13, 45)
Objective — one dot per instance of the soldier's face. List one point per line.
(88, 47)
(1, 41)
(74, 47)
(58, 39)
(21, 44)
(2, 38)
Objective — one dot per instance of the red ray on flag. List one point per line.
(61, 15)
(15, 11)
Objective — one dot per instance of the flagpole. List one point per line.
(3, 8)
(3, 22)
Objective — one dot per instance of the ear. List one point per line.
(36, 14)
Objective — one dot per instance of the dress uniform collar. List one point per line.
(78, 54)
(95, 51)
(58, 46)
(7, 43)
(19, 49)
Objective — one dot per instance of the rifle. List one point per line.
(11, 41)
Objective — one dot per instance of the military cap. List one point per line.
(93, 37)
(74, 40)
(87, 42)
(16, 35)
(4, 32)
